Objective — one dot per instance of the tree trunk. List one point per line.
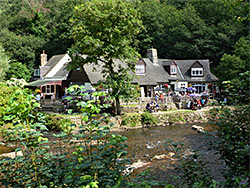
(118, 106)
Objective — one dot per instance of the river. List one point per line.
(145, 144)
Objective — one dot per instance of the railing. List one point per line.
(50, 102)
(165, 100)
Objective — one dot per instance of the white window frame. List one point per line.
(197, 72)
(140, 69)
(199, 87)
(173, 69)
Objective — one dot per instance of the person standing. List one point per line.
(161, 97)
(149, 93)
(38, 97)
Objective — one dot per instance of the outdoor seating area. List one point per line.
(152, 106)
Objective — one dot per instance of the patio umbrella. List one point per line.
(204, 94)
(191, 88)
(180, 89)
(194, 95)
(160, 89)
(89, 91)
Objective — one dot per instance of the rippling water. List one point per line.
(144, 144)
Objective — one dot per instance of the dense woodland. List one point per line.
(217, 30)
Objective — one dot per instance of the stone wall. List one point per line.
(141, 108)
(163, 119)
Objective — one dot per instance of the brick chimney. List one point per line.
(43, 58)
(152, 55)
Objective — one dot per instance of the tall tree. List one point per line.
(232, 65)
(106, 31)
(19, 71)
(4, 63)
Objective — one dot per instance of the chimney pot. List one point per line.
(152, 55)
(43, 58)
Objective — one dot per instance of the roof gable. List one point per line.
(197, 64)
(57, 64)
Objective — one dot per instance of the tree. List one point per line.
(232, 65)
(4, 63)
(106, 31)
(18, 70)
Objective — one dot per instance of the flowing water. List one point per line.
(144, 144)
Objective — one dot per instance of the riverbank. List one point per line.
(161, 118)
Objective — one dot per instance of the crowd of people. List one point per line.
(152, 106)
(197, 104)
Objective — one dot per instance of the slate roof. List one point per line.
(53, 61)
(185, 67)
(155, 72)
(63, 71)
(167, 62)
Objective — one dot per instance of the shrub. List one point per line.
(131, 121)
(92, 157)
(57, 122)
(233, 144)
(148, 119)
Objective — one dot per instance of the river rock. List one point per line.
(138, 164)
(198, 128)
(12, 154)
(163, 156)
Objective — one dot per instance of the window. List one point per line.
(173, 69)
(200, 87)
(197, 72)
(48, 89)
(139, 69)
(36, 72)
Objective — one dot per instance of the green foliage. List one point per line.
(22, 48)
(148, 119)
(233, 143)
(4, 63)
(131, 121)
(232, 65)
(105, 31)
(19, 71)
(57, 123)
(141, 182)
(14, 105)
(189, 29)
(93, 157)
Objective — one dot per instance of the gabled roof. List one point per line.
(168, 62)
(155, 72)
(185, 67)
(57, 66)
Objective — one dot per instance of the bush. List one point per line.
(131, 121)
(233, 144)
(148, 119)
(57, 122)
(92, 157)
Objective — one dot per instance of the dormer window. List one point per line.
(140, 69)
(173, 69)
(197, 71)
